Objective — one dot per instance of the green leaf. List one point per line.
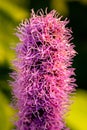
(6, 114)
(16, 12)
(77, 118)
(10, 15)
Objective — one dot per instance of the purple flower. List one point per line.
(43, 78)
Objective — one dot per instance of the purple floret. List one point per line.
(43, 77)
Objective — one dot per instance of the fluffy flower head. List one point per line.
(43, 79)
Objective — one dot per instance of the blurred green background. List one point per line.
(11, 14)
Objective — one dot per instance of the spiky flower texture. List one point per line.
(43, 79)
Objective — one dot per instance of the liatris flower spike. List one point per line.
(43, 79)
